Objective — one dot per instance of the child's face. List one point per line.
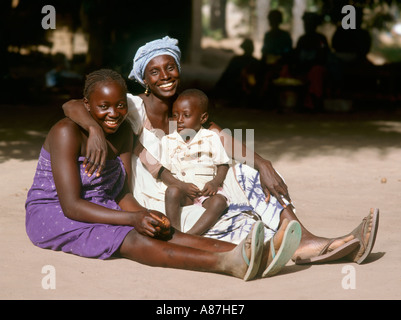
(188, 113)
(108, 105)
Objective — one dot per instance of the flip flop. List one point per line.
(365, 248)
(290, 243)
(336, 254)
(257, 234)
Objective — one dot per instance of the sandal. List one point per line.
(359, 232)
(255, 241)
(289, 245)
(336, 254)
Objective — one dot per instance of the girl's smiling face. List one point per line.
(107, 104)
(162, 76)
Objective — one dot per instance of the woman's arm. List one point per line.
(96, 147)
(270, 180)
(64, 144)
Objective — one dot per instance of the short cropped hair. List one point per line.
(200, 95)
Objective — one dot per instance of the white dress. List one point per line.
(242, 184)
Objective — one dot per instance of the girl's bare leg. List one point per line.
(200, 242)
(207, 255)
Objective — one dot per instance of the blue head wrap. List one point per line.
(164, 46)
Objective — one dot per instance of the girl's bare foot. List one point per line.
(243, 262)
(277, 240)
(279, 250)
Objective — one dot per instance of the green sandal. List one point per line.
(290, 243)
(257, 239)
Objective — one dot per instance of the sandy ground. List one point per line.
(336, 166)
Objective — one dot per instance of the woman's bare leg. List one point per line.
(311, 245)
(201, 242)
(171, 254)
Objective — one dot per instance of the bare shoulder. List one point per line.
(65, 126)
(65, 130)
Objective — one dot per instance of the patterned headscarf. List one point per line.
(150, 50)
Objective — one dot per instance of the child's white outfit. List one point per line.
(195, 161)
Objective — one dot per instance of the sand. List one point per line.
(337, 166)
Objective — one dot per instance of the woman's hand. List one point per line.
(272, 183)
(163, 228)
(96, 147)
(96, 151)
(151, 223)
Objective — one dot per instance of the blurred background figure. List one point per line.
(349, 66)
(310, 61)
(276, 51)
(238, 83)
(277, 43)
(352, 45)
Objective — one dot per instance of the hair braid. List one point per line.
(102, 75)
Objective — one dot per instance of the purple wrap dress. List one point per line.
(48, 227)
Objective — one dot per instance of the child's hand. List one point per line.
(210, 188)
(191, 190)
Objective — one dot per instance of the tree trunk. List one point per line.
(218, 16)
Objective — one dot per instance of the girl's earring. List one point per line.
(147, 91)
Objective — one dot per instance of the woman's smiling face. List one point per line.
(162, 76)
(108, 105)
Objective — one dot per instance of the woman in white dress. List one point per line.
(257, 193)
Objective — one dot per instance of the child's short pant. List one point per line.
(200, 200)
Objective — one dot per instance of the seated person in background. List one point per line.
(277, 43)
(352, 45)
(196, 157)
(311, 54)
(350, 67)
(239, 81)
(276, 54)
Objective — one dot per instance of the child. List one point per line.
(96, 216)
(196, 157)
